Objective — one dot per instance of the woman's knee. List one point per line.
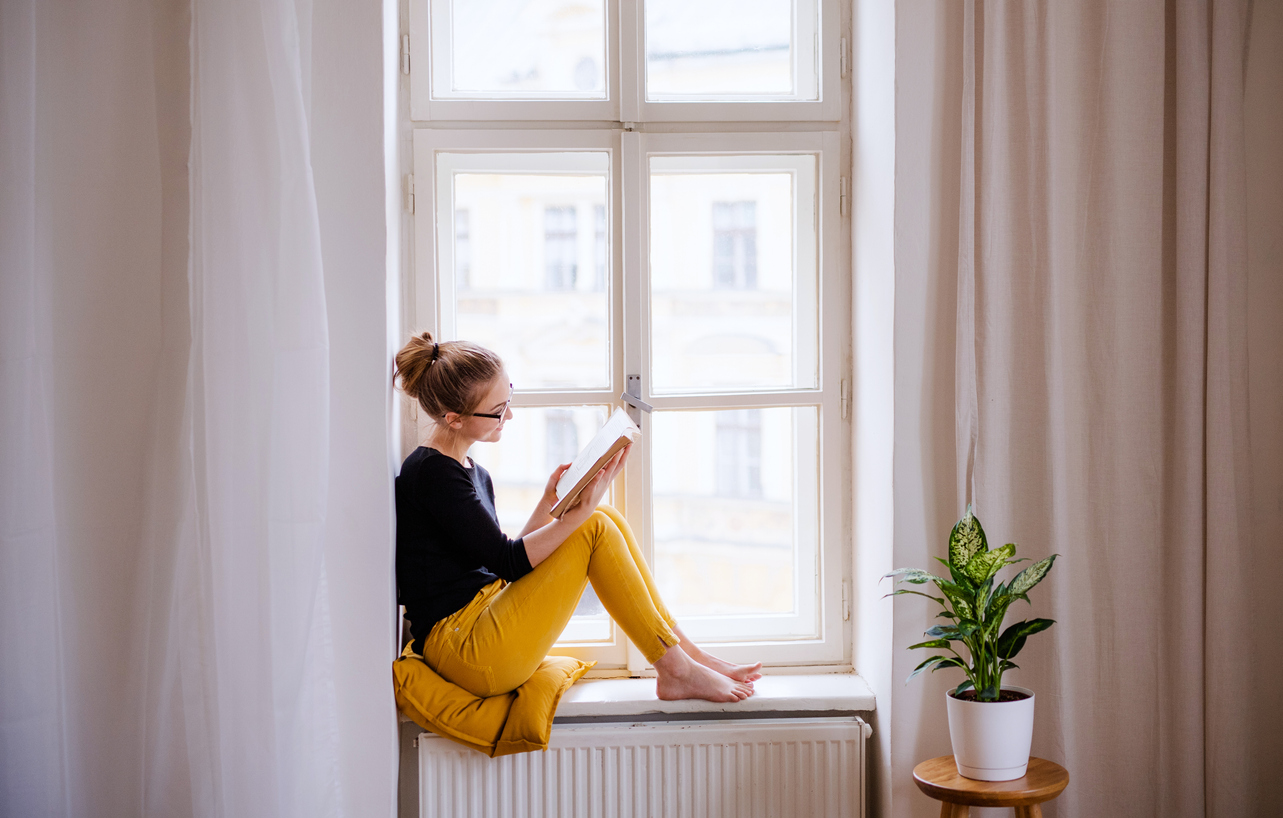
(580, 545)
(604, 528)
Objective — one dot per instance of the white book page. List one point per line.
(619, 425)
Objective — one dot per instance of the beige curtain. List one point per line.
(1101, 385)
(1101, 376)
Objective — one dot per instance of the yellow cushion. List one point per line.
(515, 722)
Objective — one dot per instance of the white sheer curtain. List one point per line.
(251, 659)
(1087, 386)
(167, 637)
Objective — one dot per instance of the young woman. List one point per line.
(484, 609)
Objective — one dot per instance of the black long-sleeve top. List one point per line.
(448, 542)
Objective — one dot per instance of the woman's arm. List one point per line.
(541, 516)
(542, 542)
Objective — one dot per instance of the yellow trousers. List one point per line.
(495, 642)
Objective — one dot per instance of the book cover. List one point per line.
(617, 433)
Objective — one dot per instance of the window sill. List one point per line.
(781, 696)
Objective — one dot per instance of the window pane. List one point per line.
(733, 531)
(525, 242)
(520, 49)
(534, 442)
(739, 50)
(733, 273)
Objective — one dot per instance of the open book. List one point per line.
(618, 432)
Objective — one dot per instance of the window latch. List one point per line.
(632, 397)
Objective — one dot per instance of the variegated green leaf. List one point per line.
(966, 540)
(985, 565)
(995, 611)
(958, 594)
(1008, 553)
(983, 599)
(960, 579)
(1031, 576)
(903, 591)
(1013, 638)
(925, 664)
(932, 643)
(992, 626)
(914, 575)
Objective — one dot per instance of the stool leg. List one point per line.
(948, 810)
(1031, 811)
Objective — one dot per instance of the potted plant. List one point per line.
(990, 726)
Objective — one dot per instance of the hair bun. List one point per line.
(449, 377)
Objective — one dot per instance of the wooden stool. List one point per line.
(939, 778)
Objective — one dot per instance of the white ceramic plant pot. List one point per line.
(991, 739)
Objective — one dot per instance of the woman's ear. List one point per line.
(454, 420)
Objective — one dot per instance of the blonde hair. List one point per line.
(446, 377)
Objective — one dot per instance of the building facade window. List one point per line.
(739, 453)
(561, 247)
(561, 438)
(735, 245)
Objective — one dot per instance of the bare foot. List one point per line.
(740, 673)
(681, 678)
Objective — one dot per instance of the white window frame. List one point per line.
(625, 80)
(571, 126)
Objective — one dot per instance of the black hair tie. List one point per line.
(436, 350)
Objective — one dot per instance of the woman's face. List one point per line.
(495, 402)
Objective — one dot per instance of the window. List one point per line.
(713, 284)
(739, 453)
(735, 245)
(560, 246)
(561, 438)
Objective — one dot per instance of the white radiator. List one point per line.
(773, 768)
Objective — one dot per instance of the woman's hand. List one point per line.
(542, 540)
(549, 498)
(543, 509)
(590, 497)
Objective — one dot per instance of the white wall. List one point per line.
(873, 355)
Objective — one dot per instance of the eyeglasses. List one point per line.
(502, 411)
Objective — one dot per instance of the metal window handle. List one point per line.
(632, 396)
(633, 400)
